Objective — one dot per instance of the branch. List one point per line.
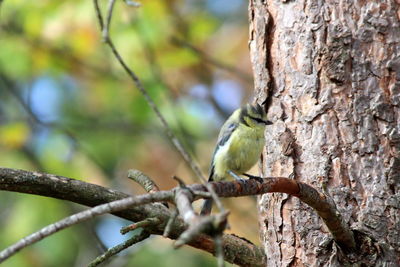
(213, 225)
(237, 250)
(321, 203)
(113, 206)
(143, 180)
(89, 194)
(114, 250)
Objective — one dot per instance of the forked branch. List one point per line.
(139, 208)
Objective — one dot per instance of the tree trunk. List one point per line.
(332, 69)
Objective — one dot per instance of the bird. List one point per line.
(239, 146)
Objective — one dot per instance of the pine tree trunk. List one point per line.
(333, 71)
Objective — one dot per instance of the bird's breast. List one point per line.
(240, 153)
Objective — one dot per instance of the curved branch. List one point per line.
(70, 189)
(321, 203)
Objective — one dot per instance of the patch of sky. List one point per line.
(45, 95)
(108, 231)
(44, 98)
(198, 104)
(225, 7)
(228, 94)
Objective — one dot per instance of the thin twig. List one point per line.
(170, 222)
(150, 101)
(143, 180)
(98, 14)
(219, 250)
(106, 28)
(141, 224)
(186, 156)
(114, 250)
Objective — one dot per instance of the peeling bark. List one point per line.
(332, 70)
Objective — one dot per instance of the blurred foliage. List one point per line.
(68, 108)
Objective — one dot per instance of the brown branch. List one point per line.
(142, 224)
(321, 203)
(143, 180)
(237, 250)
(84, 193)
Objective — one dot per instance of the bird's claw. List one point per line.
(236, 177)
(257, 178)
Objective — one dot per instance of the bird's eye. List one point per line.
(258, 120)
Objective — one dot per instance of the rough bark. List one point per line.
(332, 70)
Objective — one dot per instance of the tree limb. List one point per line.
(88, 194)
(237, 250)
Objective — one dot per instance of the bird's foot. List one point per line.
(257, 178)
(235, 176)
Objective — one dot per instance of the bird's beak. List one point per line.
(267, 122)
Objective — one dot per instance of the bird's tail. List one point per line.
(207, 205)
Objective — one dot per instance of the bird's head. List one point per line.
(253, 115)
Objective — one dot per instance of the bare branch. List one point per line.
(114, 250)
(219, 250)
(106, 27)
(83, 216)
(197, 224)
(144, 180)
(98, 14)
(170, 222)
(89, 194)
(142, 224)
(237, 250)
(212, 224)
(321, 203)
(114, 206)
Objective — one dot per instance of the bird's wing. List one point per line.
(226, 131)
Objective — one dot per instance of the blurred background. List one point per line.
(68, 108)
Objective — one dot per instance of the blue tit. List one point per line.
(239, 146)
